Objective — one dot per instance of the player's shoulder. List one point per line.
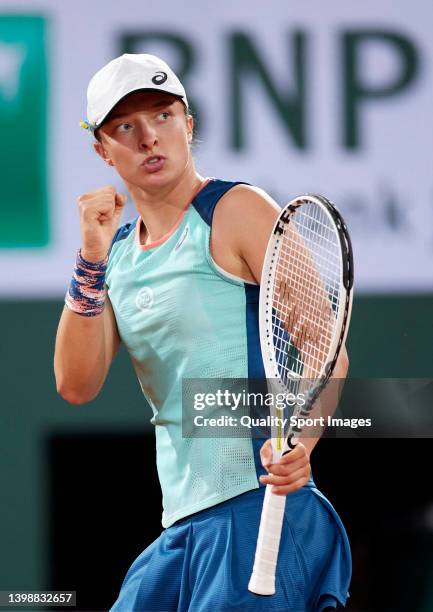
(246, 204)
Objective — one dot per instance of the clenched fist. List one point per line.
(100, 212)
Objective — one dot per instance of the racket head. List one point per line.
(308, 268)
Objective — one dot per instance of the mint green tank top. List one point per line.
(180, 316)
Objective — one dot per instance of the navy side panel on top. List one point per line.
(123, 232)
(255, 362)
(256, 370)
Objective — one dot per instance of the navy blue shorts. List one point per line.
(203, 563)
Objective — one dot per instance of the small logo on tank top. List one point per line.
(182, 238)
(144, 298)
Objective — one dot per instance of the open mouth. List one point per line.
(154, 163)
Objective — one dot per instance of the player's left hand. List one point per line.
(291, 472)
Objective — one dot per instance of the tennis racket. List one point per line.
(304, 313)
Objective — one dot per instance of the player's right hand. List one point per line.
(100, 212)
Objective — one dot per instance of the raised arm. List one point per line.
(87, 336)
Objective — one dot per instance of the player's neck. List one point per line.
(161, 210)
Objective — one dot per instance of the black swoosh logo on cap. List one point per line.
(159, 78)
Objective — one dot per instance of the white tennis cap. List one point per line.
(124, 75)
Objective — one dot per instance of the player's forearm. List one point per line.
(327, 402)
(87, 337)
(80, 361)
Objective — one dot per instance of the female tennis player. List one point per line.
(179, 286)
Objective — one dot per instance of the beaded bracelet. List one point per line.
(86, 291)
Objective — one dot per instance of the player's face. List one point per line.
(146, 138)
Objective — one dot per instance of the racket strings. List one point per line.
(297, 282)
(318, 304)
(326, 255)
(317, 348)
(327, 263)
(306, 294)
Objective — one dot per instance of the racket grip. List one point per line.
(262, 581)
